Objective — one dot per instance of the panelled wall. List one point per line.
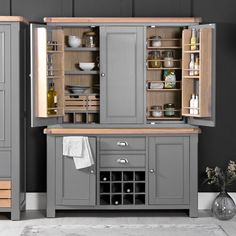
(216, 145)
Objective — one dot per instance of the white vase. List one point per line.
(74, 41)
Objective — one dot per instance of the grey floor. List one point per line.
(14, 228)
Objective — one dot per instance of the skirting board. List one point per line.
(37, 201)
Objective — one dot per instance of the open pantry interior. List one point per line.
(81, 107)
(163, 73)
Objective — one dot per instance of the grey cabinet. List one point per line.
(168, 170)
(5, 83)
(13, 74)
(121, 82)
(74, 187)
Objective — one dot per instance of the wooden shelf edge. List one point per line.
(150, 20)
(13, 19)
(121, 131)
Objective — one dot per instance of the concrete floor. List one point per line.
(14, 228)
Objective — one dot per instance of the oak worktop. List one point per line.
(121, 131)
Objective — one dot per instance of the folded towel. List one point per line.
(78, 147)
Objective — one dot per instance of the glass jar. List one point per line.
(156, 111)
(169, 78)
(169, 109)
(155, 41)
(168, 59)
(90, 39)
(154, 60)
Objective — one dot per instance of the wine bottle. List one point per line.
(52, 100)
(196, 66)
(191, 65)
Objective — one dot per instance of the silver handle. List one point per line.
(92, 171)
(122, 144)
(122, 161)
(151, 170)
(102, 74)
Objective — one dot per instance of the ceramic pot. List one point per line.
(74, 41)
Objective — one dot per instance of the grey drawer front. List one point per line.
(126, 161)
(5, 163)
(123, 143)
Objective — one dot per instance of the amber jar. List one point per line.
(90, 39)
(154, 59)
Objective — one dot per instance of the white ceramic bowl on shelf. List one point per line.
(86, 66)
(74, 41)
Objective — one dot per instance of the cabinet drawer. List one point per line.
(5, 163)
(5, 194)
(123, 143)
(127, 161)
(5, 184)
(5, 202)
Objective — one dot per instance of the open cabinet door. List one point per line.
(46, 46)
(202, 81)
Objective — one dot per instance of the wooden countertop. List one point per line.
(142, 20)
(121, 131)
(13, 19)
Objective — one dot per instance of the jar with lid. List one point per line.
(168, 59)
(169, 109)
(155, 41)
(154, 59)
(90, 39)
(156, 111)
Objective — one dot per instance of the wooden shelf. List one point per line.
(159, 81)
(81, 49)
(190, 115)
(165, 39)
(55, 52)
(163, 90)
(192, 51)
(164, 48)
(92, 72)
(164, 68)
(192, 77)
(162, 60)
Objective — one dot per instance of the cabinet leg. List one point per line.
(193, 212)
(51, 212)
(15, 215)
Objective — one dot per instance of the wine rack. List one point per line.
(122, 188)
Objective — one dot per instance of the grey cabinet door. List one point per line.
(74, 187)
(122, 71)
(5, 84)
(168, 170)
(35, 10)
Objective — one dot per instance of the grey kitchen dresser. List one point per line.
(13, 72)
(141, 129)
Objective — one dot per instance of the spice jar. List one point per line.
(90, 39)
(168, 59)
(156, 111)
(169, 109)
(155, 41)
(154, 60)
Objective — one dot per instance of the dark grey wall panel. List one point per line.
(215, 11)
(35, 10)
(217, 145)
(5, 8)
(103, 8)
(162, 8)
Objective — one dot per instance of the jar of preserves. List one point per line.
(90, 39)
(155, 41)
(168, 59)
(154, 59)
(169, 109)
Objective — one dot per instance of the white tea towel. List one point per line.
(78, 147)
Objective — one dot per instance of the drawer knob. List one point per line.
(122, 144)
(151, 170)
(92, 171)
(122, 161)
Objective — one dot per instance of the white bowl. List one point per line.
(74, 41)
(87, 66)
